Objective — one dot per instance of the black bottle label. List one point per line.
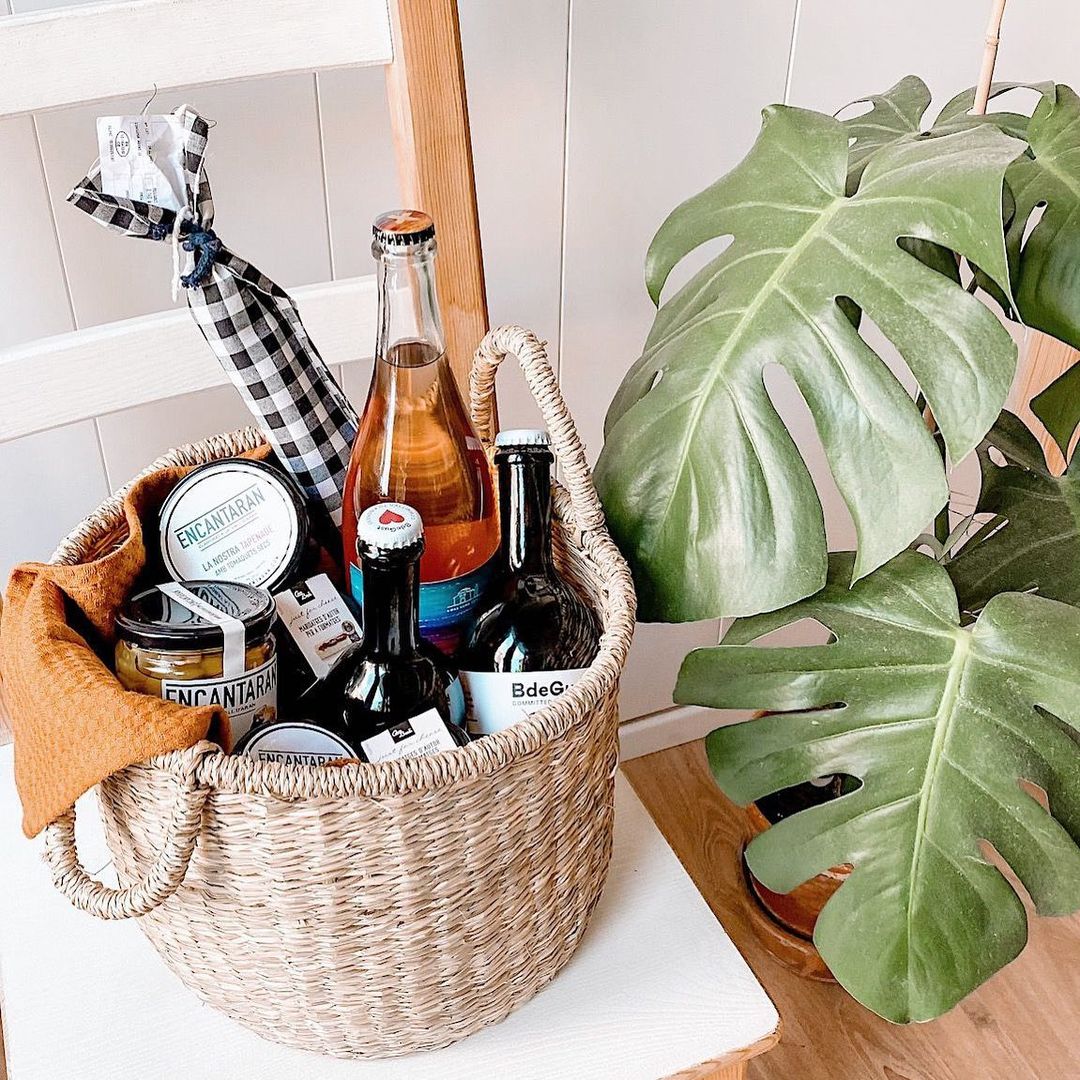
(423, 734)
(494, 699)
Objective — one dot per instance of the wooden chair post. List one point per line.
(430, 118)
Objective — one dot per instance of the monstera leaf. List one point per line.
(1033, 540)
(899, 113)
(956, 115)
(1045, 265)
(940, 725)
(1047, 283)
(703, 486)
(894, 115)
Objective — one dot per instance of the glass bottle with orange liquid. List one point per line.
(416, 443)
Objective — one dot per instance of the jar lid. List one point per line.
(522, 437)
(400, 227)
(234, 520)
(388, 527)
(154, 620)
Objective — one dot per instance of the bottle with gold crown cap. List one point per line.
(415, 443)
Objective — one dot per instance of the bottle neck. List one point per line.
(391, 607)
(410, 328)
(525, 513)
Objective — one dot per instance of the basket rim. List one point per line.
(206, 765)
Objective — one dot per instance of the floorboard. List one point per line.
(1021, 1025)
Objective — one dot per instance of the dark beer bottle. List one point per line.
(395, 692)
(533, 636)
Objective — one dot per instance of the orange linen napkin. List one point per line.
(72, 721)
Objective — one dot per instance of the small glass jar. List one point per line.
(166, 650)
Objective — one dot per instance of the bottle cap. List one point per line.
(388, 527)
(401, 227)
(522, 437)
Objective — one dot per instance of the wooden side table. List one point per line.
(656, 990)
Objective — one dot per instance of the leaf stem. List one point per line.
(941, 522)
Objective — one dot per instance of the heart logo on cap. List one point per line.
(390, 517)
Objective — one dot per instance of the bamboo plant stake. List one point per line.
(986, 75)
(1045, 358)
(982, 96)
(942, 523)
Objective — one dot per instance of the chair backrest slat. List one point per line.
(79, 54)
(85, 53)
(84, 374)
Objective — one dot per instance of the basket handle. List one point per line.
(169, 868)
(531, 354)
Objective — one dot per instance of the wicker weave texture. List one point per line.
(376, 910)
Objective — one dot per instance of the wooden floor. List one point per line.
(1022, 1025)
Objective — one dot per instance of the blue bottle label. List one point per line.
(446, 607)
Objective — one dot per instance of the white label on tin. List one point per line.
(496, 699)
(236, 523)
(297, 743)
(319, 621)
(249, 698)
(423, 734)
(140, 158)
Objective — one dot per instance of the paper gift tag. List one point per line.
(141, 159)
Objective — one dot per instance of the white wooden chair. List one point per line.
(70, 55)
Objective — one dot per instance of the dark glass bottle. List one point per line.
(394, 695)
(533, 636)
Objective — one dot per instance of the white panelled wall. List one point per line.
(590, 120)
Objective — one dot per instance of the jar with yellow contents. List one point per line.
(202, 643)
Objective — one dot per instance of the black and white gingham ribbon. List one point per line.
(252, 325)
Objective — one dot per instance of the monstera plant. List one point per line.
(948, 693)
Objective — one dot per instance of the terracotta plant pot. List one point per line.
(784, 922)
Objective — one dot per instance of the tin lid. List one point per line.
(294, 742)
(400, 227)
(389, 527)
(522, 437)
(234, 520)
(153, 620)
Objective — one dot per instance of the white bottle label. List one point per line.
(297, 743)
(496, 699)
(319, 621)
(248, 698)
(423, 734)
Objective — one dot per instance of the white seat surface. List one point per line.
(656, 986)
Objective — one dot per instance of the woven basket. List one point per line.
(376, 910)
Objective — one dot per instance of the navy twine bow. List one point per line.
(205, 244)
